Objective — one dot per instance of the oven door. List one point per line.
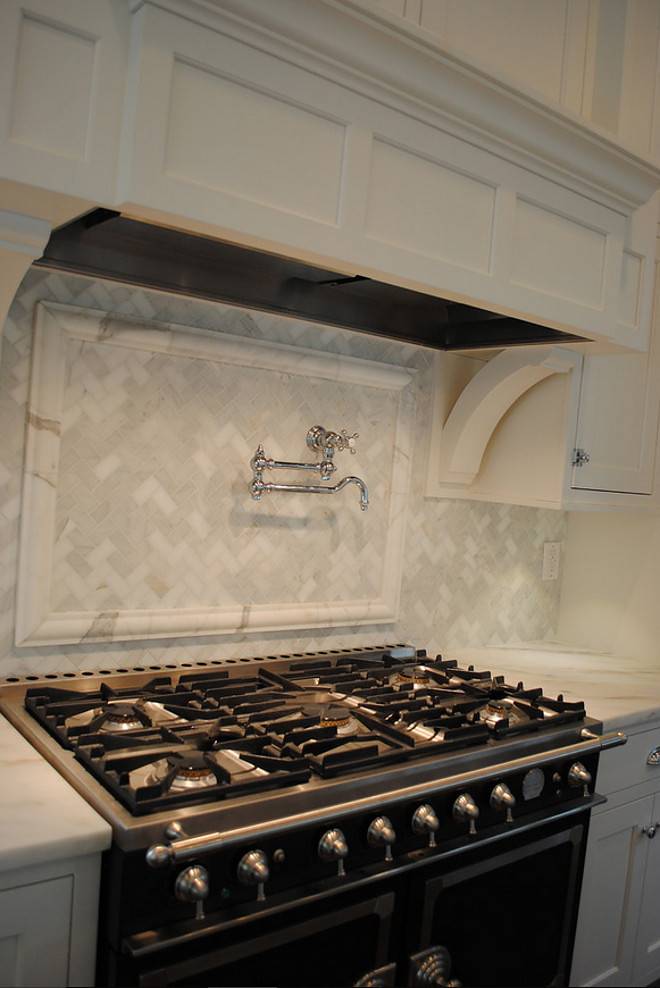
(325, 940)
(501, 919)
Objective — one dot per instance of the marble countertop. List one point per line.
(43, 819)
(622, 694)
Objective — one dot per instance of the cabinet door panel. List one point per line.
(35, 925)
(617, 424)
(607, 921)
(647, 949)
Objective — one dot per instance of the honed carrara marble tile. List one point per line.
(43, 818)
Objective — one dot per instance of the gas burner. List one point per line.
(332, 715)
(115, 717)
(190, 771)
(417, 675)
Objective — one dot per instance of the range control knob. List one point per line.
(425, 821)
(333, 847)
(381, 833)
(579, 776)
(502, 798)
(192, 885)
(464, 809)
(253, 870)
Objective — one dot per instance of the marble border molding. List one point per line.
(55, 326)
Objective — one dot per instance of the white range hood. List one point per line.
(330, 133)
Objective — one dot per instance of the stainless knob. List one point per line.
(502, 798)
(651, 831)
(464, 809)
(579, 776)
(425, 821)
(333, 847)
(253, 870)
(192, 885)
(381, 833)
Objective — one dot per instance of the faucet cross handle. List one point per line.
(348, 442)
(319, 438)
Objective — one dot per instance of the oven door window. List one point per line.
(507, 920)
(330, 947)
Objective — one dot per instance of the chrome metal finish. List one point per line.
(580, 457)
(578, 776)
(259, 488)
(317, 439)
(431, 969)
(501, 798)
(651, 831)
(253, 870)
(381, 833)
(425, 821)
(192, 885)
(174, 831)
(653, 757)
(182, 850)
(333, 847)
(464, 809)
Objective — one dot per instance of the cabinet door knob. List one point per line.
(653, 757)
(650, 831)
(580, 457)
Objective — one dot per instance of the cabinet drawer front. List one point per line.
(627, 766)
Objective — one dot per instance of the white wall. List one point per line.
(610, 597)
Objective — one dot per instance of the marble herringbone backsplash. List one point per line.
(471, 573)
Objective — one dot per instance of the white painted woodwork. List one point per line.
(608, 406)
(484, 401)
(35, 921)
(253, 136)
(355, 134)
(22, 240)
(618, 931)
(48, 924)
(62, 71)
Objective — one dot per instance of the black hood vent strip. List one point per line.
(104, 244)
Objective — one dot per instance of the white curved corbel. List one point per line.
(482, 404)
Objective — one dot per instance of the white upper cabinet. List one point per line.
(567, 431)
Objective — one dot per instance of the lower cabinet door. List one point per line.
(605, 943)
(35, 930)
(646, 967)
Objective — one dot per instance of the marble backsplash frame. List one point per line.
(56, 328)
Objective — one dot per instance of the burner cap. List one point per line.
(330, 715)
(413, 674)
(498, 709)
(191, 771)
(121, 717)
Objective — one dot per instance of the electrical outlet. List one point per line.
(551, 551)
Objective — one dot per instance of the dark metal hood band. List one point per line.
(104, 244)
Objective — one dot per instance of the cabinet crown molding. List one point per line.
(363, 47)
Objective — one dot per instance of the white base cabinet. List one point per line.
(48, 924)
(618, 932)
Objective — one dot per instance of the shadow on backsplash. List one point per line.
(471, 572)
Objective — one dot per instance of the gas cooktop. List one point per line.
(219, 732)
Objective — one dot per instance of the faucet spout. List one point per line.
(258, 487)
(364, 493)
